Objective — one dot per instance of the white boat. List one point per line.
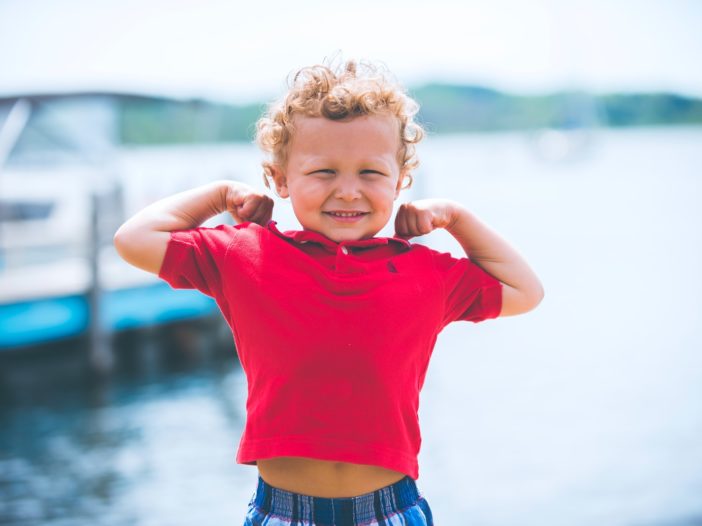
(66, 184)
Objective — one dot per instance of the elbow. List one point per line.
(519, 301)
(532, 297)
(120, 241)
(127, 244)
(141, 248)
(536, 297)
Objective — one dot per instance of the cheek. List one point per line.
(309, 193)
(386, 195)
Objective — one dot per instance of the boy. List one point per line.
(334, 327)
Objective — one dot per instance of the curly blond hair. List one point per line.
(347, 91)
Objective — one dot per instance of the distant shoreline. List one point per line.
(444, 109)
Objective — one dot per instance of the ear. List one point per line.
(281, 182)
(400, 182)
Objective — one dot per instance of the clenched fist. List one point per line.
(417, 218)
(245, 203)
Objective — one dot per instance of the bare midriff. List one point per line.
(323, 478)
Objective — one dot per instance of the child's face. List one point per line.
(342, 176)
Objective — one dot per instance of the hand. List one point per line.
(417, 218)
(245, 203)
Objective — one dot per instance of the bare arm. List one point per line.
(521, 292)
(142, 240)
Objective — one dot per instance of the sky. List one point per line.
(242, 52)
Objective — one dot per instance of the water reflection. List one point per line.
(154, 443)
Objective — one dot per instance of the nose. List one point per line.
(347, 187)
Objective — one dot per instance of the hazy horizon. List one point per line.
(220, 51)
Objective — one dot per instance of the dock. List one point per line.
(51, 301)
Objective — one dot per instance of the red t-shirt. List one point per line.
(334, 338)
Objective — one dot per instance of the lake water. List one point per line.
(587, 410)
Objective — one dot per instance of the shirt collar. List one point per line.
(304, 236)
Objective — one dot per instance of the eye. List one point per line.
(323, 172)
(371, 172)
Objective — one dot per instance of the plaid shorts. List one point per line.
(394, 505)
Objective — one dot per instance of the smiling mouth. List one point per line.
(346, 217)
(346, 214)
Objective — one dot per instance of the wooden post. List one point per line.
(100, 349)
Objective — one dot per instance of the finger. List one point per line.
(415, 224)
(254, 211)
(401, 222)
(398, 222)
(248, 208)
(424, 223)
(411, 222)
(263, 213)
(259, 215)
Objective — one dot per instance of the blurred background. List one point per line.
(571, 128)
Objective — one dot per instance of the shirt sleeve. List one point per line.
(194, 258)
(470, 293)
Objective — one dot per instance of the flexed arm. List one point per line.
(521, 292)
(142, 240)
